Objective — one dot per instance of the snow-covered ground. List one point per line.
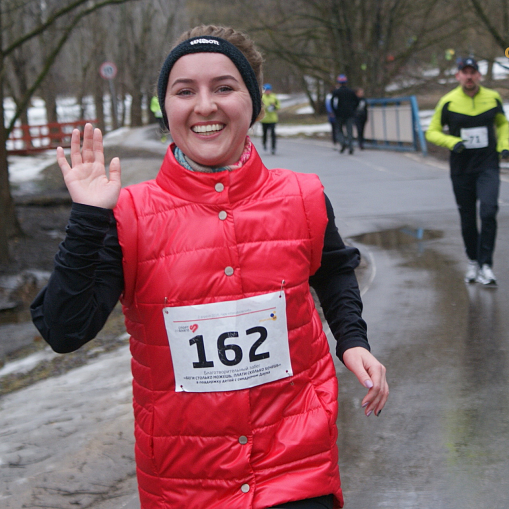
(23, 168)
(27, 168)
(26, 364)
(500, 72)
(68, 110)
(68, 440)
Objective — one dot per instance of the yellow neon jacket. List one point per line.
(457, 110)
(270, 104)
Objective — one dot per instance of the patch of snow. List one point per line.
(28, 168)
(27, 363)
(306, 130)
(25, 168)
(305, 110)
(118, 134)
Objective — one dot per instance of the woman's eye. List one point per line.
(225, 88)
(184, 92)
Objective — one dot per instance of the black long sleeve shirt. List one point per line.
(87, 282)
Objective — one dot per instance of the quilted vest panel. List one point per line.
(192, 238)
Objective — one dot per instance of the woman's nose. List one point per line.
(205, 104)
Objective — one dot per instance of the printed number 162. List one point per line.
(223, 348)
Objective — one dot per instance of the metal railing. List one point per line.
(27, 139)
(394, 124)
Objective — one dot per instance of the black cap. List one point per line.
(467, 62)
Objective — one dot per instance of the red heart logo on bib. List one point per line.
(194, 327)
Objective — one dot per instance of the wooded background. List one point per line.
(53, 49)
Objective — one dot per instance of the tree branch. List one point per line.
(57, 15)
(23, 103)
(487, 23)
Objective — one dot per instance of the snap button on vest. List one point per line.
(223, 215)
(244, 488)
(243, 440)
(228, 271)
(219, 187)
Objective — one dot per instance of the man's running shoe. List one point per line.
(471, 273)
(486, 276)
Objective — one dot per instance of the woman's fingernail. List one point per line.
(365, 404)
(369, 413)
(379, 412)
(368, 384)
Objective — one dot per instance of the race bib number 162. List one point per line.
(228, 346)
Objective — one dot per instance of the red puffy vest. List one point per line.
(192, 238)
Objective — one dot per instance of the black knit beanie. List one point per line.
(210, 44)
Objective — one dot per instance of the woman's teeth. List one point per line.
(205, 129)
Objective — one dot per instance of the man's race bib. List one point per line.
(475, 137)
(228, 346)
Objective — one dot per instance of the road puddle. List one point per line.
(397, 237)
(445, 346)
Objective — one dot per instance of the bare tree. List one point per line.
(19, 67)
(151, 26)
(87, 49)
(372, 41)
(66, 15)
(494, 15)
(135, 37)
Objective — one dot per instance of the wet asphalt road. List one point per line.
(442, 441)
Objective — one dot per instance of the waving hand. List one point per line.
(86, 179)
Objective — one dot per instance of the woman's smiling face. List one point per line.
(209, 108)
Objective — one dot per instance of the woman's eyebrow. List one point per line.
(225, 77)
(187, 81)
(184, 81)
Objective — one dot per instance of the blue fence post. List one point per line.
(417, 125)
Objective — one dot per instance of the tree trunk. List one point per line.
(136, 110)
(113, 105)
(50, 101)
(48, 93)
(64, 19)
(122, 104)
(4, 199)
(99, 106)
(4, 169)
(9, 225)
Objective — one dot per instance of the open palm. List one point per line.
(86, 179)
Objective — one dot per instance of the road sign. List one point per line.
(108, 70)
